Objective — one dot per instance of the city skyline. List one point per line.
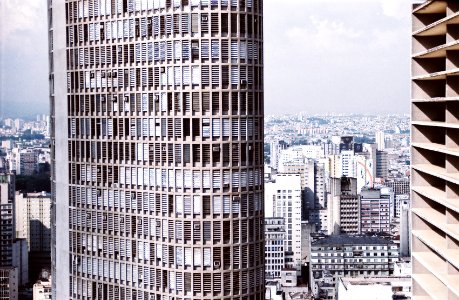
(376, 46)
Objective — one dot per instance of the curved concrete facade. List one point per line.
(163, 141)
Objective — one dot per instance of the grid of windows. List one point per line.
(165, 149)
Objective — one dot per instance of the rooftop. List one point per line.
(351, 240)
(375, 280)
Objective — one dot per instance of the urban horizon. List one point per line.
(229, 149)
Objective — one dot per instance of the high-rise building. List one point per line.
(9, 283)
(345, 212)
(382, 168)
(9, 273)
(283, 200)
(157, 142)
(435, 160)
(33, 222)
(399, 186)
(7, 219)
(376, 210)
(274, 247)
(380, 140)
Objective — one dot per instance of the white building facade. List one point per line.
(284, 196)
(157, 149)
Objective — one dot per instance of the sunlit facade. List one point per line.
(157, 121)
(435, 155)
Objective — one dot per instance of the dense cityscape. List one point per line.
(158, 175)
(338, 171)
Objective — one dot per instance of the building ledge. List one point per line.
(436, 124)
(438, 148)
(436, 99)
(437, 243)
(439, 51)
(438, 268)
(437, 195)
(437, 75)
(437, 172)
(438, 27)
(437, 219)
(431, 286)
(430, 7)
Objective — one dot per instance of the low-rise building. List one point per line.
(42, 289)
(374, 288)
(350, 256)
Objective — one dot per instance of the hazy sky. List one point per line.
(320, 56)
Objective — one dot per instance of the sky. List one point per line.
(321, 56)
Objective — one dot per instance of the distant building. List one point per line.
(349, 256)
(9, 283)
(275, 149)
(348, 163)
(274, 247)
(399, 186)
(7, 219)
(306, 169)
(42, 288)
(382, 169)
(318, 212)
(369, 150)
(405, 228)
(28, 162)
(333, 166)
(21, 260)
(345, 189)
(283, 200)
(33, 222)
(375, 210)
(23, 161)
(11, 254)
(346, 144)
(380, 140)
(18, 124)
(289, 277)
(400, 200)
(8, 122)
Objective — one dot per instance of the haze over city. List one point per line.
(326, 56)
(229, 149)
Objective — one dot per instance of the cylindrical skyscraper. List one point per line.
(157, 121)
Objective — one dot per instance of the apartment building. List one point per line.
(274, 247)
(336, 256)
(157, 149)
(376, 210)
(283, 200)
